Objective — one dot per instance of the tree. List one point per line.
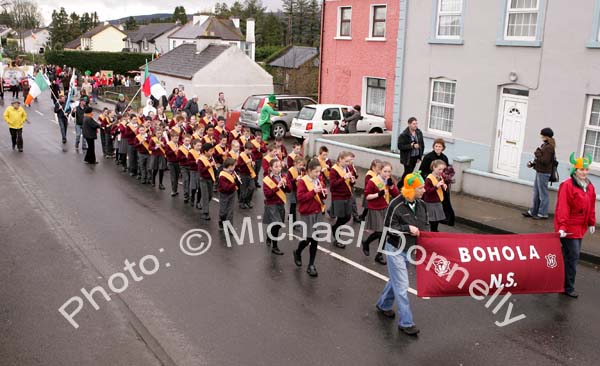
(130, 24)
(271, 30)
(59, 29)
(85, 22)
(74, 26)
(24, 14)
(222, 10)
(313, 24)
(180, 15)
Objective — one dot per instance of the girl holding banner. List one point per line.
(575, 214)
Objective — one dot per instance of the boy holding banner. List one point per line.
(405, 214)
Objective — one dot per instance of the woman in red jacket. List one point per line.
(575, 214)
(379, 191)
(311, 195)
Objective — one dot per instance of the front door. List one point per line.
(510, 134)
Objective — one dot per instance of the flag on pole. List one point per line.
(152, 85)
(71, 92)
(38, 85)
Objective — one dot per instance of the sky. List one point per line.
(115, 9)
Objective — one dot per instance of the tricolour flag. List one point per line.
(38, 85)
(71, 92)
(152, 85)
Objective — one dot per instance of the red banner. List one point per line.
(468, 264)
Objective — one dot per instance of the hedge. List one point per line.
(118, 62)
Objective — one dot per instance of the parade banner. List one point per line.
(464, 264)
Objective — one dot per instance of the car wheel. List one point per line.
(376, 130)
(278, 130)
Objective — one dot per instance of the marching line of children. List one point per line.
(208, 158)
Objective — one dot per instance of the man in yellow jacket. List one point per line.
(15, 117)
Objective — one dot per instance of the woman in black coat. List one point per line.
(439, 145)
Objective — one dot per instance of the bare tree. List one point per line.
(24, 14)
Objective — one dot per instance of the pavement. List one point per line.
(67, 226)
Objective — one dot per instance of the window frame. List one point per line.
(366, 94)
(510, 11)
(503, 40)
(587, 127)
(594, 41)
(340, 21)
(373, 21)
(432, 103)
(439, 14)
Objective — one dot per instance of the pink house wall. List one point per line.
(345, 63)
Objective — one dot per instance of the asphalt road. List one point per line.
(67, 226)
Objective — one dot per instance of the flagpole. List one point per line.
(135, 95)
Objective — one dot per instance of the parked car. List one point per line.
(290, 105)
(321, 117)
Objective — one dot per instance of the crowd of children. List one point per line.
(208, 159)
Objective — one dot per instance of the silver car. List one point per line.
(289, 105)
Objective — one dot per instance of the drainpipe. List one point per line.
(321, 53)
(399, 78)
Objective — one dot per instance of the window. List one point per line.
(345, 22)
(331, 114)
(594, 41)
(288, 105)
(591, 143)
(303, 102)
(441, 110)
(378, 17)
(174, 44)
(375, 100)
(307, 113)
(522, 20)
(145, 44)
(449, 19)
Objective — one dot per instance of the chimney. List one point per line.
(250, 39)
(200, 19)
(236, 22)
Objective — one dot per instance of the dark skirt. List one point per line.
(291, 197)
(341, 208)
(274, 213)
(194, 184)
(435, 212)
(375, 220)
(123, 146)
(310, 221)
(157, 162)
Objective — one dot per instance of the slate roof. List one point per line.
(213, 27)
(185, 61)
(294, 57)
(29, 32)
(150, 31)
(73, 44)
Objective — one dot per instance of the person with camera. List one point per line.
(543, 164)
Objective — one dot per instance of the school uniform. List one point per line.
(433, 198)
(142, 146)
(243, 140)
(158, 161)
(341, 192)
(232, 136)
(248, 175)
(282, 154)
(258, 151)
(291, 159)
(325, 168)
(122, 144)
(132, 154)
(293, 175)
(266, 161)
(220, 131)
(227, 185)
(193, 162)
(172, 156)
(220, 154)
(184, 165)
(207, 179)
(370, 174)
(274, 210)
(376, 214)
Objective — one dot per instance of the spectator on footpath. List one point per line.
(15, 117)
(121, 105)
(405, 214)
(352, 119)
(575, 214)
(149, 108)
(90, 132)
(221, 108)
(439, 145)
(411, 146)
(543, 165)
(191, 108)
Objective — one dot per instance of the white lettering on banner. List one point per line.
(492, 254)
(496, 280)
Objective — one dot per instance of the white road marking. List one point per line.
(38, 112)
(359, 266)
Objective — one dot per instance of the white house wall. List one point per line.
(34, 45)
(109, 40)
(559, 75)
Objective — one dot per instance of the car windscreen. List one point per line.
(252, 104)
(307, 113)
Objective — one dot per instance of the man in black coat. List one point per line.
(90, 131)
(192, 108)
(411, 146)
(79, 113)
(59, 109)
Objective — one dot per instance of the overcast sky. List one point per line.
(114, 9)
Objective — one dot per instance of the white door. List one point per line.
(510, 134)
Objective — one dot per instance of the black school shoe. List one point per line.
(276, 251)
(411, 331)
(297, 258)
(312, 271)
(571, 294)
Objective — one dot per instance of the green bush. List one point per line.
(264, 52)
(118, 62)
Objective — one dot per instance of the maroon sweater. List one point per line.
(338, 187)
(271, 197)
(225, 186)
(307, 204)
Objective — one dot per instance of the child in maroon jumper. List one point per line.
(275, 187)
(229, 182)
(434, 194)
